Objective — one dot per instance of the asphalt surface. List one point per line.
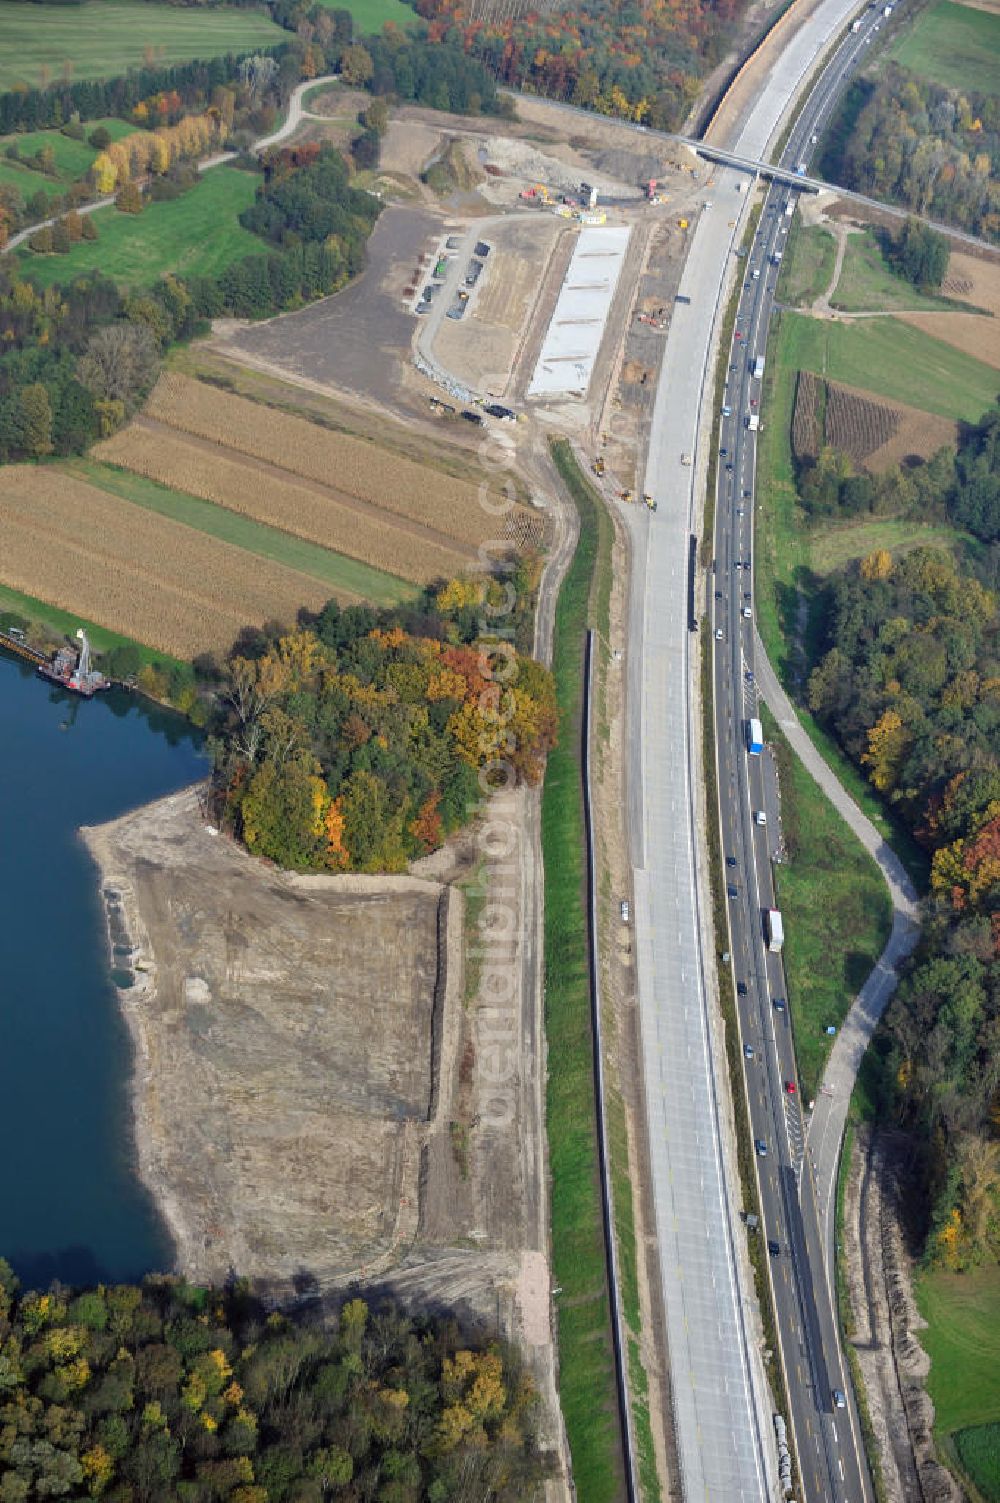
(725, 1440)
(826, 1437)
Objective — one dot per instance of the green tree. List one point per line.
(36, 420)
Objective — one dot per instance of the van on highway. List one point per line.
(759, 817)
(761, 1148)
(839, 1401)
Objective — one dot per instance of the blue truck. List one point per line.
(755, 738)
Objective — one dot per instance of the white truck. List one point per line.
(753, 422)
(855, 26)
(758, 367)
(775, 932)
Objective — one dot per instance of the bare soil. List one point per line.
(971, 333)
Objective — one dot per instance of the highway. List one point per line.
(722, 1412)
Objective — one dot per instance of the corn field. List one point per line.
(134, 571)
(354, 466)
(327, 517)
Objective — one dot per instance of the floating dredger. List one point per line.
(72, 670)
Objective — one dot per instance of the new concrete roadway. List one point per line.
(725, 1440)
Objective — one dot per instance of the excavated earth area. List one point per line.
(289, 1033)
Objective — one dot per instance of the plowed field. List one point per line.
(134, 571)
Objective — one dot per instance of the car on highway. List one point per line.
(740, 511)
(779, 1004)
(761, 1148)
(731, 891)
(839, 1401)
(723, 452)
(738, 335)
(774, 1248)
(741, 988)
(760, 817)
(748, 1050)
(790, 1087)
(718, 633)
(729, 468)
(747, 612)
(727, 412)
(730, 860)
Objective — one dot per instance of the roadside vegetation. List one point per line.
(836, 908)
(586, 1363)
(165, 1391)
(807, 266)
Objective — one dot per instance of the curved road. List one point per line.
(291, 123)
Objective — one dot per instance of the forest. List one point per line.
(167, 1393)
(917, 143)
(909, 684)
(361, 739)
(641, 64)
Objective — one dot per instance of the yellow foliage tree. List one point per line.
(98, 1469)
(104, 173)
(877, 565)
(887, 742)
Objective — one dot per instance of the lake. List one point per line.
(70, 1204)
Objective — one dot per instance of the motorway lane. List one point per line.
(827, 1440)
(725, 1448)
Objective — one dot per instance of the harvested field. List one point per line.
(268, 494)
(360, 469)
(974, 334)
(805, 421)
(133, 571)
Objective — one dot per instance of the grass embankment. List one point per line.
(868, 283)
(962, 1339)
(18, 609)
(586, 1365)
(106, 38)
(807, 266)
(954, 45)
(836, 908)
(198, 234)
(335, 569)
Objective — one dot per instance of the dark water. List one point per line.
(70, 1205)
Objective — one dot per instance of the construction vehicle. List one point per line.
(682, 224)
(685, 459)
(598, 465)
(649, 500)
(625, 495)
(72, 670)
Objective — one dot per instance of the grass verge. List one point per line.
(198, 234)
(836, 908)
(340, 573)
(586, 1382)
(807, 267)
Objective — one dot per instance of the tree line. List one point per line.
(917, 143)
(164, 1391)
(361, 739)
(908, 683)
